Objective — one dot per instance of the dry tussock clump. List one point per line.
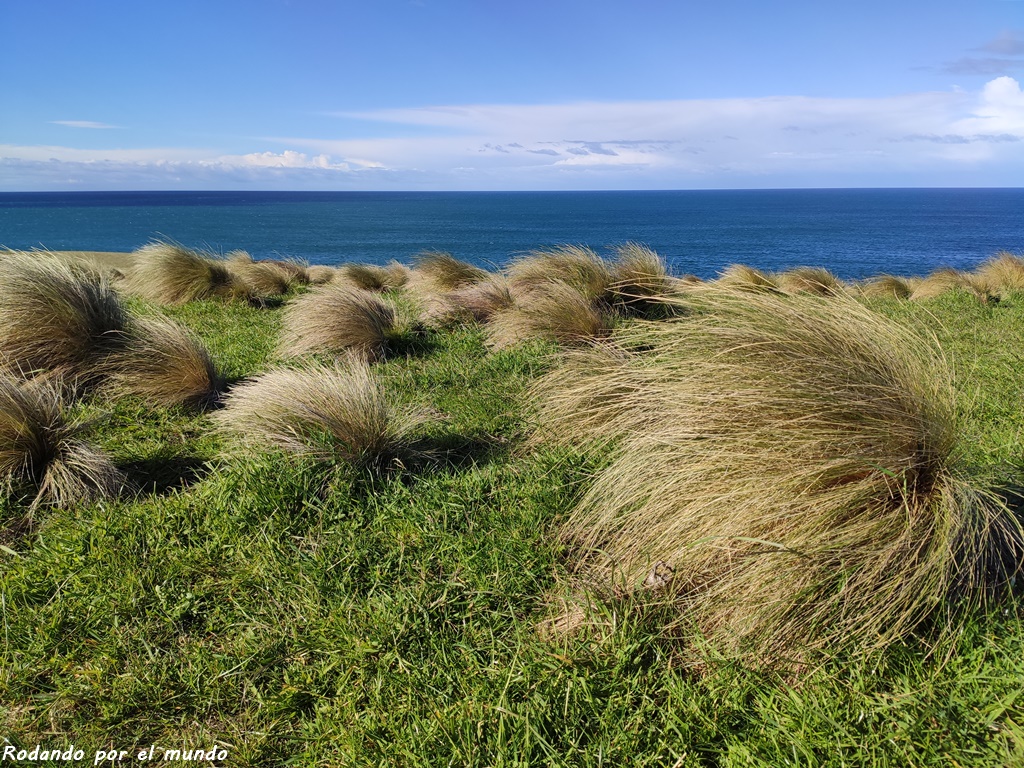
(40, 448)
(320, 274)
(1002, 275)
(438, 272)
(56, 318)
(371, 277)
(792, 463)
(743, 278)
(162, 363)
(578, 266)
(814, 280)
(329, 413)
(400, 273)
(297, 273)
(886, 286)
(475, 303)
(338, 318)
(262, 278)
(943, 281)
(167, 273)
(555, 311)
(640, 279)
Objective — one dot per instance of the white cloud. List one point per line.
(970, 137)
(83, 124)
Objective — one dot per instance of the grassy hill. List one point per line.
(295, 612)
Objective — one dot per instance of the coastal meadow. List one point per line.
(277, 582)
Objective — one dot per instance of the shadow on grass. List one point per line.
(459, 451)
(18, 527)
(415, 343)
(162, 475)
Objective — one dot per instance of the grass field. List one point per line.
(290, 613)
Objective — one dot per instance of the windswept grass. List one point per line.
(580, 267)
(437, 272)
(298, 613)
(477, 302)
(168, 273)
(55, 318)
(887, 286)
(337, 318)
(743, 278)
(945, 280)
(321, 275)
(263, 278)
(640, 281)
(41, 449)
(554, 311)
(813, 280)
(164, 364)
(371, 277)
(1002, 275)
(338, 413)
(793, 463)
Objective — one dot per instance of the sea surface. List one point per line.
(853, 232)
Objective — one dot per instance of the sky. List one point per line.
(525, 95)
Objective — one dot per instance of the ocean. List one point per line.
(853, 232)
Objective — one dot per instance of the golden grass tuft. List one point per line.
(43, 450)
(168, 273)
(1002, 275)
(639, 280)
(477, 303)
(55, 318)
(338, 318)
(320, 274)
(263, 278)
(792, 463)
(555, 311)
(943, 281)
(578, 266)
(813, 280)
(886, 286)
(164, 364)
(743, 278)
(400, 273)
(370, 277)
(437, 272)
(329, 413)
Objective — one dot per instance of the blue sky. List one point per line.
(461, 94)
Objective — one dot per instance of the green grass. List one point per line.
(308, 615)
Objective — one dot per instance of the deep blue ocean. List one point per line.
(853, 232)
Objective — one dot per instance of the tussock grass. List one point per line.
(321, 275)
(640, 279)
(744, 278)
(42, 449)
(164, 364)
(556, 311)
(1002, 275)
(56, 318)
(793, 463)
(945, 280)
(338, 318)
(814, 280)
(886, 286)
(168, 273)
(297, 271)
(477, 302)
(578, 266)
(263, 278)
(371, 277)
(438, 272)
(328, 413)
